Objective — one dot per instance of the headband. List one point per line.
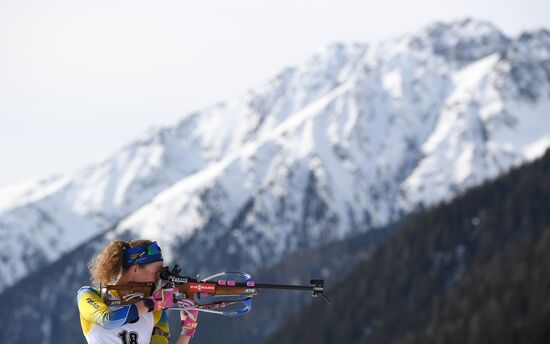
(141, 255)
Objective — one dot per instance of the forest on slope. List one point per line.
(472, 270)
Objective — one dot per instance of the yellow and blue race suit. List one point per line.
(102, 324)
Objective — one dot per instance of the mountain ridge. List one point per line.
(377, 150)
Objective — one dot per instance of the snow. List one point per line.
(392, 82)
(156, 218)
(29, 191)
(537, 148)
(382, 129)
(527, 135)
(467, 88)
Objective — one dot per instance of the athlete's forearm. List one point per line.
(183, 340)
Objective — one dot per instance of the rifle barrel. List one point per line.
(283, 286)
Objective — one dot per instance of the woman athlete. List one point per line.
(144, 322)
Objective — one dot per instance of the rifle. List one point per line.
(225, 293)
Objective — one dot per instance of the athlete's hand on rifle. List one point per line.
(164, 298)
(189, 318)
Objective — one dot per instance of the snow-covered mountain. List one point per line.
(351, 139)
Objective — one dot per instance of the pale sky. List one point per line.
(79, 79)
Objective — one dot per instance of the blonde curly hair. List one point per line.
(106, 266)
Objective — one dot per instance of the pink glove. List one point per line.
(164, 298)
(189, 318)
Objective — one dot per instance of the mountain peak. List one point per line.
(541, 34)
(462, 41)
(537, 43)
(350, 139)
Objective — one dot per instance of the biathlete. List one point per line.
(144, 322)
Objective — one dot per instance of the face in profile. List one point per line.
(148, 273)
